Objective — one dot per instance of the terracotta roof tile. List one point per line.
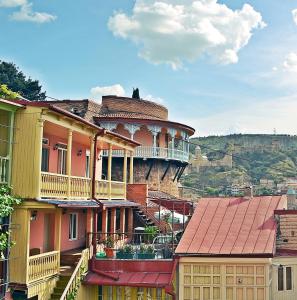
(232, 226)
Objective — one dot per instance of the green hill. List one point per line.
(254, 157)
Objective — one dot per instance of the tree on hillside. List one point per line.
(135, 94)
(15, 80)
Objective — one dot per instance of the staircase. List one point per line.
(69, 260)
(143, 218)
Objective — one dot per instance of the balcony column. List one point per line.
(57, 239)
(104, 220)
(109, 169)
(154, 133)
(37, 168)
(125, 171)
(131, 168)
(130, 220)
(92, 156)
(113, 220)
(68, 164)
(122, 220)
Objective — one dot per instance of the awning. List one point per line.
(133, 279)
(118, 203)
(72, 203)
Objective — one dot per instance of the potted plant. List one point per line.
(126, 252)
(150, 232)
(109, 245)
(146, 252)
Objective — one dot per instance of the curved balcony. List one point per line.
(153, 152)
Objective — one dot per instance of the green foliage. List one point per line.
(150, 233)
(257, 159)
(6, 93)
(15, 80)
(109, 242)
(135, 94)
(7, 201)
(73, 294)
(146, 249)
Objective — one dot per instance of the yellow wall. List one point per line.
(87, 292)
(43, 289)
(223, 279)
(284, 295)
(26, 163)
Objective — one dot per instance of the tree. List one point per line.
(7, 94)
(135, 94)
(15, 80)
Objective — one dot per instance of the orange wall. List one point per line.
(78, 162)
(67, 244)
(37, 231)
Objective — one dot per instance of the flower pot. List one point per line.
(146, 255)
(121, 255)
(109, 252)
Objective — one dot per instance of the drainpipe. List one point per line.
(94, 237)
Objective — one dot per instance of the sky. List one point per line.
(221, 67)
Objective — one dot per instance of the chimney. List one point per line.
(291, 198)
(248, 192)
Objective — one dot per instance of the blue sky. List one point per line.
(216, 78)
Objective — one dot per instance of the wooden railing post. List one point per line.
(109, 170)
(131, 168)
(125, 172)
(68, 164)
(57, 238)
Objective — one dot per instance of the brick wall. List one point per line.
(137, 192)
(123, 104)
(287, 240)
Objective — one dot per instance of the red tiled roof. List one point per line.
(140, 279)
(232, 226)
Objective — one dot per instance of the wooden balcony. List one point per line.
(43, 265)
(4, 169)
(153, 152)
(63, 186)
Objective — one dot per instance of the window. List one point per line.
(44, 159)
(87, 163)
(73, 226)
(62, 158)
(284, 278)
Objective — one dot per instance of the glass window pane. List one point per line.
(44, 159)
(280, 278)
(288, 278)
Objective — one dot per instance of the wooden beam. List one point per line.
(150, 169)
(166, 171)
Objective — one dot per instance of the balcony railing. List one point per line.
(43, 265)
(4, 165)
(162, 246)
(56, 186)
(153, 152)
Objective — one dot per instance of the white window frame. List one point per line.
(88, 161)
(72, 236)
(63, 151)
(284, 268)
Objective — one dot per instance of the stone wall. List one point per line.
(287, 240)
(123, 104)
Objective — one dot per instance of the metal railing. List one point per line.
(134, 245)
(56, 186)
(43, 265)
(4, 165)
(153, 152)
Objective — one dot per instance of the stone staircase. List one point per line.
(68, 262)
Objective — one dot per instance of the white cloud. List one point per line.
(99, 91)
(254, 117)
(27, 14)
(154, 99)
(173, 32)
(290, 63)
(12, 3)
(294, 13)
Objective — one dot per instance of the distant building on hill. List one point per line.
(199, 160)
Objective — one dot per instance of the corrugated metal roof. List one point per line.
(232, 226)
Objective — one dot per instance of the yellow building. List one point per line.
(56, 169)
(228, 251)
